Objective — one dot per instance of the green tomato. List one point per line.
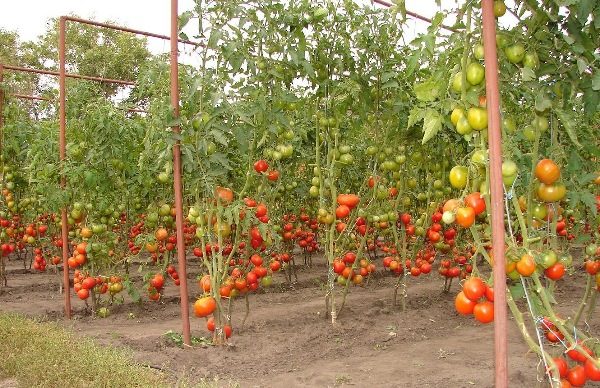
(591, 249)
(531, 60)
(478, 51)
(508, 123)
(457, 82)
(458, 177)
(509, 168)
(530, 133)
(163, 177)
(475, 73)
(372, 150)
(548, 259)
(478, 118)
(479, 157)
(515, 53)
(463, 127)
(499, 8)
(346, 159)
(540, 123)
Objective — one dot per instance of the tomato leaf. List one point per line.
(542, 102)
(527, 74)
(184, 19)
(569, 124)
(589, 200)
(596, 80)
(400, 6)
(517, 291)
(432, 123)
(416, 114)
(427, 91)
(582, 65)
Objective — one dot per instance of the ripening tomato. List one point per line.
(350, 200)
(591, 370)
(547, 172)
(260, 166)
(476, 201)
(551, 193)
(576, 376)
(342, 211)
(205, 306)
(474, 288)
(555, 272)
(465, 216)
(463, 304)
(224, 194)
(273, 175)
(484, 311)
(526, 265)
(562, 366)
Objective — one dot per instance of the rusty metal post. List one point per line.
(183, 291)
(1, 96)
(497, 193)
(62, 141)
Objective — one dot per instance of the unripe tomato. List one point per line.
(499, 8)
(515, 53)
(458, 177)
(475, 73)
(477, 117)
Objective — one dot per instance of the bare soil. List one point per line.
(287, 342)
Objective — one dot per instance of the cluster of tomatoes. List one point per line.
(583, 369)
(155, 286)
(84, 284)
(476, 298)
(461, 267)
(39, 262)
(304, 234)
(262, 167)
(348, 269)
(592, 262)
(79, 256)
(156, 283)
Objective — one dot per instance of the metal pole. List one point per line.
(125, 29)
(497, 192)
(415, 15)
(1, 96)
(183, 291)
(62, 155)
(68, 75)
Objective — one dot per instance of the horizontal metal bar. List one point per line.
(68, 75)
(27, 97)
(415, 15)
(131, 30)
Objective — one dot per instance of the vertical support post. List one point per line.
(497, 193)
(1, 96)
(62, 146)
(183, 291)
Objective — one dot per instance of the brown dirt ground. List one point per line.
(287, 342)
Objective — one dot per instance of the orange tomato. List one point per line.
(546, 171)
(526, 265)
(465, 216)
(463, 304)
(205, 306)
